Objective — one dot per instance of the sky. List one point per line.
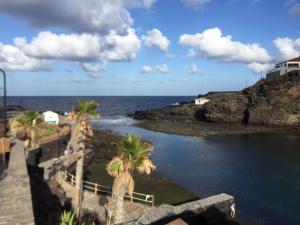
(143, 47)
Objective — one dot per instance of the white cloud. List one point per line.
(82, 47)
(77, 15)
(260, 67)
(146, 69)
(154, 37)
(89, 16)
(194, 69)
(148, 3)
(63, 46)
(212, 44)
(287, 47)
(14, 59)
(120, 48)
(195, 3)
(92, 51)
(163, 68)
(295, 9)
(93, 70)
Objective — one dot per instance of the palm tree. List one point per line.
(133, 154)
(81, 131)
(26, 128)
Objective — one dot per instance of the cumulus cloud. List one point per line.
(14, 59)
(93, 70)
(155, 38)
(194, 69)
(81, 47)
(260, 67)
(195, 3)
(146, 69)
(288, 48)
(91, 51)
(163, 68)
(89, 16)
(63, 46)
(212, 44)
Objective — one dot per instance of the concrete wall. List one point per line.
(15, 195)
(48, 151)
(212, 209)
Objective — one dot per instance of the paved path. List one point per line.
(15, 193)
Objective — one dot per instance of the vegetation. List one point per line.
(133, 154)
(165, 191)
(68, 218)
(81, 131)
(30, 128)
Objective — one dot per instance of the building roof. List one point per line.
(297, 59)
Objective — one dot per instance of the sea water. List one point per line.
(262, 172)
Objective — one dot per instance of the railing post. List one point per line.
(96, 188)
(152, 201)
(72, 180)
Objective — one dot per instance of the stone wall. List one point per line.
(15, 195)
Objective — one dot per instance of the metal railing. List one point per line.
(100, 189)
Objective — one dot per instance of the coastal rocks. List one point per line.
(224, 108)
(273, 102)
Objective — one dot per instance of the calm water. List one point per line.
(262, 172)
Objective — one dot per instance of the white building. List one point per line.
(201, 101)
(285, 67)
(51, 117)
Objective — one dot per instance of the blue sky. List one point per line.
(143, 47)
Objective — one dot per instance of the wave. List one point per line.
(118, 120)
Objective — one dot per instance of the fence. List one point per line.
(100, 189)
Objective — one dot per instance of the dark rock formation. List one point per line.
(273, 102)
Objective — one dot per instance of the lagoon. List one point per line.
(262, 172)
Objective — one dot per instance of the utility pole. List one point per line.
(4, 110)
(4, 101)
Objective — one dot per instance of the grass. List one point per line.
(165, 192)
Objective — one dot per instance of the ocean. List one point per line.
(262, 172)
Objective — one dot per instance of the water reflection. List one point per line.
(262, 172)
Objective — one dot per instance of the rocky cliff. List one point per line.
(273, 102)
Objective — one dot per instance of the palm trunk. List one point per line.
(79, 184)
(119, 213)
(116, 210)
(72, 144)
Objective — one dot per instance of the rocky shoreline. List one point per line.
(199, 129)
(270, 106)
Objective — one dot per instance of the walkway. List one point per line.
(15, 195)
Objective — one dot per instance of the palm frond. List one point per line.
(146, 166)
(86, 108)
(115, 166)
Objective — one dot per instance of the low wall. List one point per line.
(15, 195)
(48, 150)
(212, 209)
